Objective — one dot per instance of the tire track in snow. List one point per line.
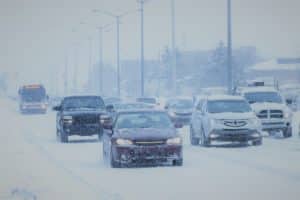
(103, 195)
(295, 177)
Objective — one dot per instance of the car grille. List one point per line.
(276, 114)
(273, 114)
(86, 119)
(235, 123)
(263, 114)
(149, 143)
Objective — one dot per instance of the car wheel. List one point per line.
(194, 141)
(113, 163)
(257, 142)
(178, 162)
(205, 142)
(287, 133)
(64, 137)
(57, 135)
(100, 134)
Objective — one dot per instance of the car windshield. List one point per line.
(261, 97)
(33, 95)
(143, 120)
(222, 106)
(147, 100)
(76, 103)
(182, 104)
(132, 106)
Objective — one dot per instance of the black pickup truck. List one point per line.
(79, 115)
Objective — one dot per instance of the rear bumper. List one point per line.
(235, 135)
(33, 110)
(82, 130)
(147, 155)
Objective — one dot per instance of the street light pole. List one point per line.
(142, 48)
(229, 48)
(118, 55)
(174, 56)
(101, 59)
(66, 75)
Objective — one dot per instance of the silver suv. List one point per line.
(224, 118)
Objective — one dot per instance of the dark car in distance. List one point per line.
(141, 138)
(79, 115)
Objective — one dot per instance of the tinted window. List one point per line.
(143, 120)
(83, 103)
(33, 94)
(260, 97)
(234, 106)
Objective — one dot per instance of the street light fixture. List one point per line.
(117, 18)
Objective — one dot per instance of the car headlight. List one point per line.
(288, 114)
(172, 113)
(68, 119)
(214, 122)
(174, 141)
(123, 142)
(254, 122)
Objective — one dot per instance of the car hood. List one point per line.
(229, 115)
(257, 107)
(83, 112)
(146, 134)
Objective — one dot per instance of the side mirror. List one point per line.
(178, 125)
(56, 108)
(106, 122)
(109, 108)
(166, 107)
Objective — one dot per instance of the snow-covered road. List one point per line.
(34, 165)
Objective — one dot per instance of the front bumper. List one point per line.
(135, 155)
(235, 135)
(82, 130)
(275, 125)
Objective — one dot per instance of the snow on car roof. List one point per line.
(224, 97)
(258, 89)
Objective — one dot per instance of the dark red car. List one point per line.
(141, 138)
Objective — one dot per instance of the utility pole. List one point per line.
(101, 60)
(174, 55)
(75, 69)
(142, 48)
(66, 75)
(229, 48)
(118, 55)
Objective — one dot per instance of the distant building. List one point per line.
(282, 69)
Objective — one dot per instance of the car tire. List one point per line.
(205, 142)
(113, 163)
(100, 134)
(194, 141)
(57, 135)
(64, 137)
(287, 133)
(257, 142)
(178, 162)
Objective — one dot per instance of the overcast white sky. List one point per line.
(36, 34)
